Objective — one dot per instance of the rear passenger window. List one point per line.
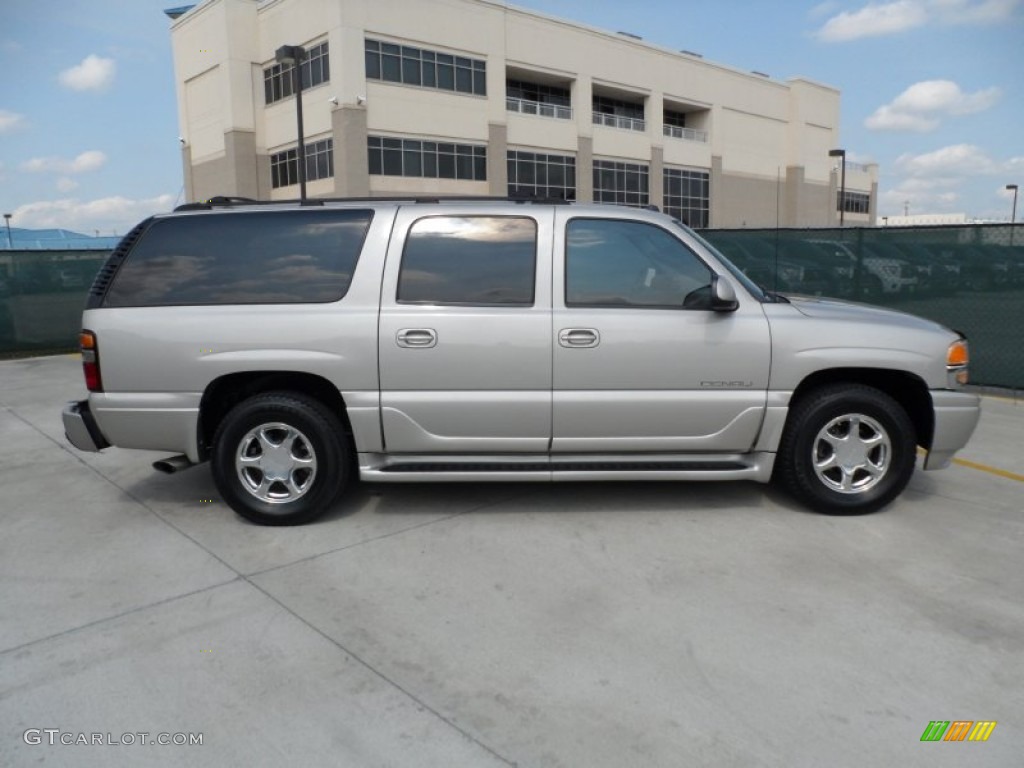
(281, 257)
(475, 260)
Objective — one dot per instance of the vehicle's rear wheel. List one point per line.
(847, 449)
(280, 458)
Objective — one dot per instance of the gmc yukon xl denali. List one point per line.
(296, 346)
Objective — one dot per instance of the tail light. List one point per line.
(90, 361)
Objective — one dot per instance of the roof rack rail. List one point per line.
(223, 201)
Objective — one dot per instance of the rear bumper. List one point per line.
(81, 429)
(956, 416)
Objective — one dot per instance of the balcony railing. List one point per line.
(689, 134)
(620, 121)
(527, 107)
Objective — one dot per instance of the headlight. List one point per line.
(957, 360)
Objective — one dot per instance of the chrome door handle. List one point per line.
(579, 337)
(420, 338)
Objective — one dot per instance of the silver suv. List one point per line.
(297, 346)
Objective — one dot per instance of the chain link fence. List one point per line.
(970, 278)
(966, 277)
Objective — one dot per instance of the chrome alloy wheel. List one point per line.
(851, 454)
(276, 463)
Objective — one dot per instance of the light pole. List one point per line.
(842, 184)
(10, 243)
(295, 55)
(1013, 216)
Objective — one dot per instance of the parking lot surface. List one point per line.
(585, 625)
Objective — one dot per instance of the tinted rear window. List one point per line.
(282, 257)
(472, 260)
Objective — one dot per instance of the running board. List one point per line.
(405, 469)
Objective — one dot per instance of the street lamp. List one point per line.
(842, 184)
(10, 243)
(1013, 216)
(295, 55)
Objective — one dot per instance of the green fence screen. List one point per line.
(42, 294)
(970, 278)
(967, 277)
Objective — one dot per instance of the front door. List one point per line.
(465, 332)
(641, 362)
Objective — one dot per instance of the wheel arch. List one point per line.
(907, 389)
(224, 393)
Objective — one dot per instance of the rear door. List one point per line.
(465, 331)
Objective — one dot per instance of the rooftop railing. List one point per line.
(620, 121)
(527, 107)
(687, 134)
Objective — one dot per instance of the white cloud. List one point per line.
(921, 106)
(64, 184)
(10, 121)
(92, 74)
(106, 214)
(947, 179)
(85, 162)
(877, 19)
(955, 160)
(874, 20)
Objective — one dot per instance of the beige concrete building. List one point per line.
(472, 97)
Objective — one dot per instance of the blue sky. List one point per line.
(933, 90)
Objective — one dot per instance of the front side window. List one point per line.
(280, 257)
(617, 263)
(469, 260)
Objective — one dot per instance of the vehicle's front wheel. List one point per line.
(847, 449)
(280, 458)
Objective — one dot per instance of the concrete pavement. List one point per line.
(476, 625)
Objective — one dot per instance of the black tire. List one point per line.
(884, 470)
(289, 495)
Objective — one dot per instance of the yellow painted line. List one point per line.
(991, 470)
(1000, 398)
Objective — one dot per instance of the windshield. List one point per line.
(755, 290)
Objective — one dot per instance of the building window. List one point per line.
(678, 119)
(856, 202)
(619, 114)
(536, 99)
(278, 82)
(551, 177)
(426, 159)
(621, 183)
(429, 69)
(284, 166)
(687, 196)
(470, 260)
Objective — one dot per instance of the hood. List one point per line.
(835, 309)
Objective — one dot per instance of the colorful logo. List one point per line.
(958, 730)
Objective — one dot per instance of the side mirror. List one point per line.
(723, 295)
